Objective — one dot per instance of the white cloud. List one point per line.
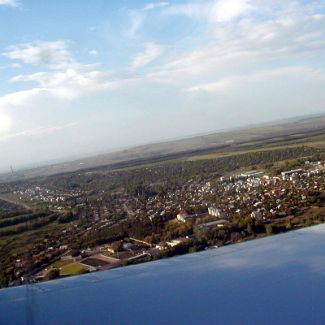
(156, 5)
(10, 3)
(227, 10)
(19, 98)
(137, 17)
(228, 84)
(42, 130)
(219, 86)
(213, 10)
(67, 79)
(68, 84)
(51, 54)
(191, 9)
(93, 52)
(288, 31)
(151, 52)
(5, 123)
(136, 22)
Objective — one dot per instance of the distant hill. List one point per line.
(253, 136)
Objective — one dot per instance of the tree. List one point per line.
(65, 218)
(269, 229)
(289, 225)
(3, 279)
(53, 274)
(250, 228)
(117, 246)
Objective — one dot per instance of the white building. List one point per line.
(215, 212)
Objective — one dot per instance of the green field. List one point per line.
(266, 147)
(63, 262)
(72, 269)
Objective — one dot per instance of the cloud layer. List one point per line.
(203, 64)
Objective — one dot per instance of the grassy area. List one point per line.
(239, 152)
(72, 269)
(10, 197)
(62, 262)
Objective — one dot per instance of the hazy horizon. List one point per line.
(82, 78)
(93, 154)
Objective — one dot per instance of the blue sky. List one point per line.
(81, 77)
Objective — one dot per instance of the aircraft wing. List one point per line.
(274, 280)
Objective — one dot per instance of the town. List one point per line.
(98, 229)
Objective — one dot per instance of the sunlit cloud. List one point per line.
(66, 78)
(10, 3)
(42, 130)
(287, 32)
(155, 5)
(213, 11)
(151, 52)
(227, 10)
(51, 54)
(231, 83)
(5, 123)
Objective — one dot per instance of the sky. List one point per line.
(84, 77)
